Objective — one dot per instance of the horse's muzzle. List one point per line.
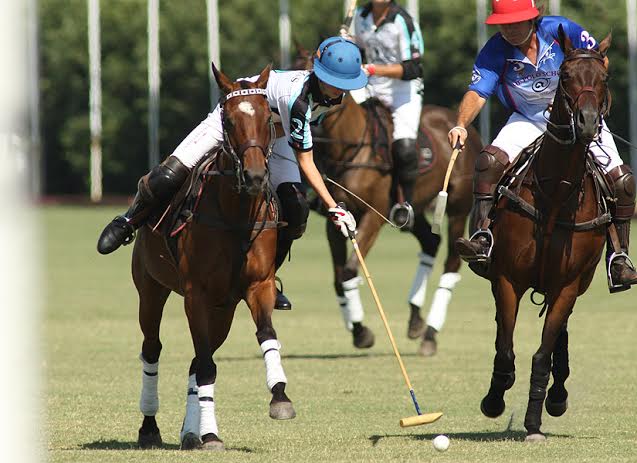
(587, 122)
(255, 180)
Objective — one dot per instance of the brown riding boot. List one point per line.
(490, 165)
(621, 271)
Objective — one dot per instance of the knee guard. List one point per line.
(490, 165)
(295, 209)
(405, 156)
(623, 182)
(163, 181)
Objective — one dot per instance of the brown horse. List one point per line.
(351, 154)
(554, 245)
(224, 255)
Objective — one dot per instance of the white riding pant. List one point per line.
(208, 135)
(405, 109)
(519, 132)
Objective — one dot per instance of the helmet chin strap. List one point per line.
(528, 36)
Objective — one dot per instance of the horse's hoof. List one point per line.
(190, 441)
(363, 337)
(492, 410)
(212, 442)
(416, 326)
(428, 348)
(535, 437)
(555, 408)
(282, 411)
(150, 440)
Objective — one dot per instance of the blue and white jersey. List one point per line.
(296, 102)
(522, 86)
(397, 39)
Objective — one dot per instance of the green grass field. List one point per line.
(348, 402)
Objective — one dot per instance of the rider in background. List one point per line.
(393, 46)
(520, 64)
(297, 99)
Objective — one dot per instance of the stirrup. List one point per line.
(612, 286)
(409, 223)
(483, 257)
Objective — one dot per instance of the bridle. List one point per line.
(571, 102)
(236, 154)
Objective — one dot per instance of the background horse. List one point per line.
(353, 143)
(224, 255)
(551, 253)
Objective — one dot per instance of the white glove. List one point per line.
(344, 220)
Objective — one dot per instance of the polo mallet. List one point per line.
(347, 22)
(441, 200)
(421, 418)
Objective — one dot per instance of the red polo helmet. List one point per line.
(512, 11)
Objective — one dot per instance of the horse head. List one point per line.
(248, 130)
(583, 92)
(303, 58)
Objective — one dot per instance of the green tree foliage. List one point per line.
(248, 41)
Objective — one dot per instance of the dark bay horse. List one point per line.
(353, 161)
(351, 156)
(227, 253)
(555, 248)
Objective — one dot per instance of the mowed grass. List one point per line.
(348, 401)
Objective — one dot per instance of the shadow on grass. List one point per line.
(119, 445)
(354, 355)
(491, 436)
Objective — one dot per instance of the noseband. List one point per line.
(570, 102)
(237, 154)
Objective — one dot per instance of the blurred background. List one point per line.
(151, 62)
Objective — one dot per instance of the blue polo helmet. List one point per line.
(337, 62)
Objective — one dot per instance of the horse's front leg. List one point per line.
(260, 298)
(556, 318)
(207, 335)
(152, 297)
(507, 302)
(368, 229)
(556, 401)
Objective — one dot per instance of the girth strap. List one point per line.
(534, 213)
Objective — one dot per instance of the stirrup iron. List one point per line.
(612, 286)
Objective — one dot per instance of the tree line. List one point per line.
(248, 41)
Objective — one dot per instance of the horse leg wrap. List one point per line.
(149, 400)
(191, 419)
(438, 311)
(351, 305)
(540, 373)
(208, 421)
(273, 369)
(419, 284)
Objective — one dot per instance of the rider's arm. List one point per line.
(470, 107)
(313, 176)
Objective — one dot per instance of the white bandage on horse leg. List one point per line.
(191, 419)
(208, 420)
(272, 358)
(419, 284)
(352, 309)
(442, 296)
(149, 399)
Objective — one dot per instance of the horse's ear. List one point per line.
(565, 42)
(604, 45)
(262, 81)
(225, 84)
(300, 49)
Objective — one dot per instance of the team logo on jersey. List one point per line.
(475, 76)
(297, 133)
(518, 67)
(541, 84)
(548, 56)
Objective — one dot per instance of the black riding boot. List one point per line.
(490, 165)
(405, 157)
(283, 245)
(154, 189)
(622, 273)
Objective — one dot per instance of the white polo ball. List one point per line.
(441, 443)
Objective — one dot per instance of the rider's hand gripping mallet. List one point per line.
(441, 200)
(421, 418)
(344, 29)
